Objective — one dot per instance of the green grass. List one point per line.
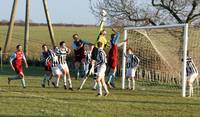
(35, 101)
(39, 35)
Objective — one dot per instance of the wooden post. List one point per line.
(26, 31)
(51, 33)
(11, 25)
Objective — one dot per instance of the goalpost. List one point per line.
(184, 44)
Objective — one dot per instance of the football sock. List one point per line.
(65, 80)
(133, 83)
(23, 82)
(95, 84)
(99, 88)
(129, 83)
(105, 87)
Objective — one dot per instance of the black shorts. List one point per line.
(94, 53)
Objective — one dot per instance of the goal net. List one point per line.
(162, 51)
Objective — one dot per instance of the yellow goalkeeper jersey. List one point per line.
(103, 40)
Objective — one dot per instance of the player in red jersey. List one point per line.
(47, 67)
(16, 61)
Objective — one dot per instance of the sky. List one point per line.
(61, 11)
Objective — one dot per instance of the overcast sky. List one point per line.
(61, 11)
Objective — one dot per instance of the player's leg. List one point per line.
(57, 73)
(104, 86)
(69, 78)
(99, 86)
(94, 87)
(16, 77)
(133, 78)
(84, 79)
(111, 77)
(129, 83)
(133, 83)
(23, 80)
(190, 81)
(77, 67)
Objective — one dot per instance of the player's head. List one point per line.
(99, 44)
(76, 37)
(103, 32)
(19, 47)
(62, 44)
(44, 47)
(129, 50)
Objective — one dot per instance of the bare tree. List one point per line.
(155, 12)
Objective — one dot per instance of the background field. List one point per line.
(39, 35)
(150, 99)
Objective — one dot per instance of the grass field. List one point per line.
(39, 35)
(35, 101)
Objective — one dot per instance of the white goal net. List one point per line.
(163, 53)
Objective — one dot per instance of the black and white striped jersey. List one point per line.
(132, 61)
(190, 67)
(62, 55)
(53, 58)
(101, 57)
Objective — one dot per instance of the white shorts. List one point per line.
(130, 72)
(63, 67)
(191, 78)
(101, 70)
(56, 71)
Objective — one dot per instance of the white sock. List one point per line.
(190, 91)
(65, 80)
(133, 83)
(23, 82)
(83, 82)
(70, 82)
(99, 88)
(129, 83)
(95, 84)
(105, 87)
(57, 82)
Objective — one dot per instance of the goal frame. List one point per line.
(185, 47)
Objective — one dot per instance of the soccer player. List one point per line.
(112, 58)
(87, 61)
(62, 53)
(47, 67)
(132, 63)
(101, 38)
(16, 61)
(56, 72)
(101, 69)
(78, 46)
(191, 73)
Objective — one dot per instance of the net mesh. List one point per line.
(160, 52)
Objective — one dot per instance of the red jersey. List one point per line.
(113, 54)
(17, 60)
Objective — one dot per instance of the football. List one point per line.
(103, 13)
